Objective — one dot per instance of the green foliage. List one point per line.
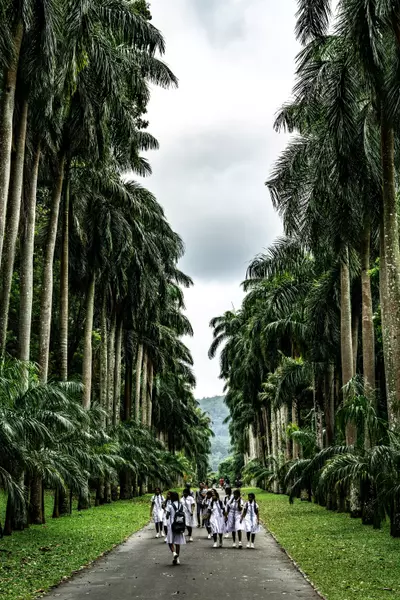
(34, 560)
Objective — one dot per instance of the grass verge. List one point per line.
(34, 560)
(343, 558)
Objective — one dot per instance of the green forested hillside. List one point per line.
(220, 445)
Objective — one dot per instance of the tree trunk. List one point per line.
(144, 389)
(274, 436)
(103, 354)
(56, 506)
(64, 289)
(329, 404)
(128, 382)
(295, 421)
(150, 371)
(13, 216)
(139, 362)
(117, 375)
(35, 502)
(9, 84)
(63, 504)
(27, 244)
(47, 278)
(87, 344)
(391, 290)
(346, 337)
(355, 328)
(368, 334)
(111, 366)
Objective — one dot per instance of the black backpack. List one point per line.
(179, 523)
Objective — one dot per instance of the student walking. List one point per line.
(200, 496)
(234, 523)
(217, 518)
(227, 499)
(157, 511)
(251, 517)
(165, 510)
(176, 527)
(189, 503)
(205, 514)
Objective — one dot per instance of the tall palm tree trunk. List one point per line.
(47, 278)
(144, 388)
(27, 244)
(13, 216)
(87, 344)
(295, 421)
(9, 84)
(355, 328)
(329, 404)
(139, 363)
(275, 451)
(346, 337)
(103, 353)
(128, 380)
(64, 290)
(391, 280)
(111, 367)
(117, 374)
(150, 371)
(368, 334)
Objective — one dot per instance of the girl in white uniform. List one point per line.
(235, 524)
(157, 511)
(189, 503)
(165, 510)
(227, 499)
(175, 540)
(206, 512)
(251, 516)
(217, 518)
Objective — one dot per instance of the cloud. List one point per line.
(235, 63)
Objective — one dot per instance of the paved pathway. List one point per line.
(142, 568)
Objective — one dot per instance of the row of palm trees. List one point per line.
(90, 287)
(311, 360)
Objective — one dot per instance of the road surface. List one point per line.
(142, 569)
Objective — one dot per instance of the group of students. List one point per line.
(232, 515)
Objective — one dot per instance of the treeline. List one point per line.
(312, 359)
(95, 382)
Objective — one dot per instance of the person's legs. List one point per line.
(177, 549)
(240, 536)
(220, 539)
(190, 531)
(157, 527)
(234, 536)
(248, 536)
(215, 537)
(172, 548)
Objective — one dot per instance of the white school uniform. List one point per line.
(174, 538)
(204, 511)
(158, 511)
(217, 519)
(251, 519)
(165, 520)
(235, 508)
(187, 504)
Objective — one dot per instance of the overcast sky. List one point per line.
(235, 63)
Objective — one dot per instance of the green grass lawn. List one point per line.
(343, 558)
(34, 560)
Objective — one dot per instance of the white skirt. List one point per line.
(158, 515)
(175, 538)
(251, 526)
(217, 524)
(234, 523)
(191, 520)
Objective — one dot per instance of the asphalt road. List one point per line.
(142, 568)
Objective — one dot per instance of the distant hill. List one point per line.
(220, 444)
